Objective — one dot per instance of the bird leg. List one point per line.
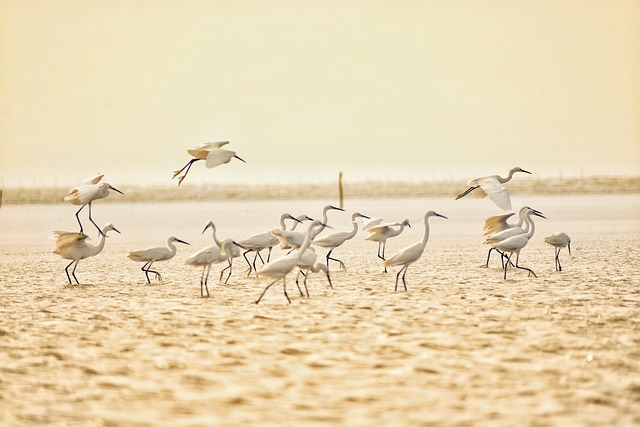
(334, 259)
(148, 270)
(525, 268)
(265, 291)
(244, 254)
(558, 266)
(305, 281)
(284, 287)
(299, 289)
(269, 254)
(381, 256)
(73, 272)
(398, 277)
(187, 167)
(66, 270)
(229, 267)
(78, 218)
(329, 279)
(469, 190)
(206, 280)
(93, 222)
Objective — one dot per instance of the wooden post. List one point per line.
(340, 190)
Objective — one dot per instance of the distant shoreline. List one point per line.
(352, 190)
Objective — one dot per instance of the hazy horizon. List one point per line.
(381, 91)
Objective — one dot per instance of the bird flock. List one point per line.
(504, 237)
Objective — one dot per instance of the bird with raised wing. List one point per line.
(492, 186)
(410, 254)
(155, 254)
(558, 240)
(73, 246)
(86, 191)
(213, 154)
(381, 232)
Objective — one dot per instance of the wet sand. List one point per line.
(461, 347)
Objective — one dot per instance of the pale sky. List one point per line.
(303, 89)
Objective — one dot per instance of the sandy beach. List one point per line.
(462, 347)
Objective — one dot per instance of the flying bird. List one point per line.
(559, 241)
(212, 153)
(88, 190)
(492, 186)
(74, 247)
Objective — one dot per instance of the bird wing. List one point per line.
(210, 145)
(66, 240)
(495, 224)
(204, 256)
(369, 223)
(90, 180)
(406, 255)
(332, 239)
(83, 194)
(149, 254)
(496, 192)
(217, 157)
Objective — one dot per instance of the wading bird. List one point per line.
(151, 255)
(515, 244)
(380, 233)
(492, 186)
(293, 239)
(333, 240)
(558, 241)
(279, 268)
(233, 251)
(308, 262)
(497, 228)
(212, 152)
(410, 254)
(264, 240)
(73, 246)
(88, 190)
(205, 258)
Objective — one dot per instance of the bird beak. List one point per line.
(240, 159)
(569, 246)
(441, 216)
(295, 219)
(182, 241)
(522, 170)
(239, 245)
(116, 190)
(336, 208)
(536, 213)
(116, 230)
(364, 216)
(206, 226)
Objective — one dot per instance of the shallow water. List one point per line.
(461, 347)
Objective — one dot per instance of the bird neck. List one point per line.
(531, 225)
(215, 238)
(283, 226)
(95, 250)
(503, 180)
(425, 238)
(354, 230)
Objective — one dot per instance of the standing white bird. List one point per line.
(333, 240)
(263, 240)
(205, 258)
(497, 228)
(410, 254)
(233, 251)
(514, 244)
(279, 268)
(88, 190)
(151, 255)
(380, 233)
(492, 186)
(558, 240)
(212, 152)
(293, 239)
(73, 246)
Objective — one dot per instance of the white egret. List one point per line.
(74, 247)
(308, 262)
(497, 228)
(204, 258)
(88, 190)
(151, 255)
(558, 241)
(233, 251)
(333, 240)
(369, 223)
(294, 239)
(279, 268)
(514, 244)
(212, 152)
(264, 240)
(492, 186)
(410, 254)
(381, 232)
